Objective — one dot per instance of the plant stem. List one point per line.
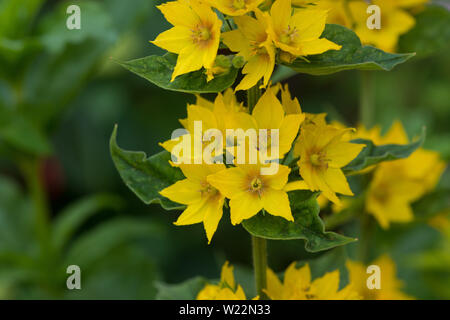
(31, 170)
(259, 247)
(367, 116)
(367, 98)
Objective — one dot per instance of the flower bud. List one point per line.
(238, 62)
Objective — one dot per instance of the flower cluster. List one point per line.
(396, 19)
(298, 284)
(260, 37)
(322, 150)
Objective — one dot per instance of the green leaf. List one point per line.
(72, 217)
(158, 70)
(430, 34)
(351, 56)
(307, 224)
(146, 177)
(98, 242)
(372, 154)
(186, 290)
(20, 133)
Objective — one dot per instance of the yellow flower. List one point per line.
(225, 290)
(323, 152)
(396, 184)
(252, 42)
(249, 191)
(395, 21)
(195, 36)
(390, 286)
(270, 114)
(337, 11)
(220, 115)
(297, 285)
(235, 7)
(204, 202)
(299, 34)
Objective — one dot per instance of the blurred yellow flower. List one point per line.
(396, 184)
(297, 285)
(299, 34)
(195, 35)
(395, 21)
(235, 7)
(225, 290)
(323, 151)
(250, 192)
(390, 286)
(204, 202)
(253, 43)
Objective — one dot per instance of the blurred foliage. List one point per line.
(60, 96)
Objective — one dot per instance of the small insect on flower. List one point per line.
(323, 151)
(297, 285)
(227, 289)
(195, 36)
(235, 7)
(253, 43)
(299, 34)
(204, 202)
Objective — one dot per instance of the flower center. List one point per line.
(318, 160)
(256, 184)
(201, 34)
(238, 4)
(289, 35)
(208, 190)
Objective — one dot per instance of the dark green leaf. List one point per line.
(186, 290)
(307, 224)
(351, 56)
(372, 154)
(158, 70)
(430, 34)
(146, 177)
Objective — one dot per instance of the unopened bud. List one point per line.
(238, 62)
(223, 62)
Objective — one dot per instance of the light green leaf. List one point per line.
(351, 56)
(146, 177)
(307, 224)
(19, 132)
(158, 70)
(186, 290)
(71, 218)
(430, 34)
(372, 154)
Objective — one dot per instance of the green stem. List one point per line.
(367, 116)
(259, 247)
(367, 99)
(31, 170)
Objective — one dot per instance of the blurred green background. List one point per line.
(60, 96)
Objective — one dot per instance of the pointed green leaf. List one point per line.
(146, 177)
(372, 154)
(351, 56)
(186, 290)
(307, 224)
(158, 70)
(431, 32)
